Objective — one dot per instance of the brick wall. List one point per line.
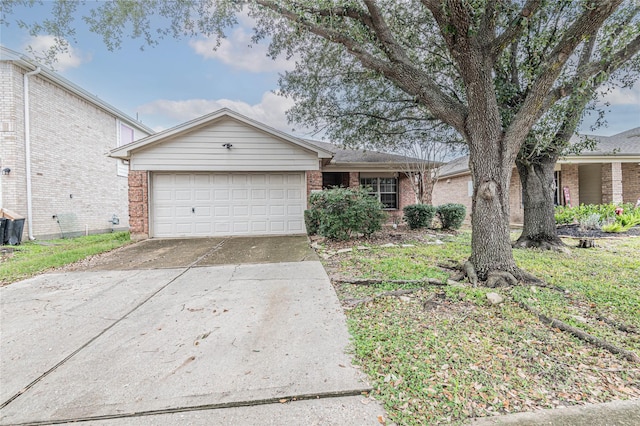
(314, 182)
(354, 179)
(516, 208)
(139, 204)
(11, 140)
(611, 182)
(569, 178)
(630, 182)
(453, 190)
(72, 178)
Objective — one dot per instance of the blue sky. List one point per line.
(183, 79)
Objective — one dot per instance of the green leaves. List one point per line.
(340, 213)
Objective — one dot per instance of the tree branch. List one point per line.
(515, 27)
(551, 68)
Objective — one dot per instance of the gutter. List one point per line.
(27, 150)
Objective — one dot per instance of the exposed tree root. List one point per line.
(552, 322)
(500, 279)
(622, 327)
(352, 303)
(470, 271)
(373, 281)
(542, 243)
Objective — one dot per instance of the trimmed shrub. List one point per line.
(340, 213)
(419, 215)
(451, 215)
(312, 221)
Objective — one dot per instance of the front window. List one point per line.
(383, 188)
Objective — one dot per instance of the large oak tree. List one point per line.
(392, 40)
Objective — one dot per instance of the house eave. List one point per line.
(124, 152)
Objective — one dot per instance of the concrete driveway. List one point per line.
(181, 332)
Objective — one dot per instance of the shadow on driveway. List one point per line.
(190, 252)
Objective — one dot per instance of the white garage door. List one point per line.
(221, 204)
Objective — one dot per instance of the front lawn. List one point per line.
(34, 257)
(444, 354)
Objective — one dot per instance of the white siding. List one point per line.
(202, 150)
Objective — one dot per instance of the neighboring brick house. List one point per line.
(73, 186)
(608, 174)
(226, 174)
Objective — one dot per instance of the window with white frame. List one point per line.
(383, 188)
(125, 136)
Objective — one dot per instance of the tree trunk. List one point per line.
(537, 194)
(490, 240)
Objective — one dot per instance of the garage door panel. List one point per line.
(202, 180)
(295, 226)
(258, 210)
(258, 226)
(276, 210)
(182, 180)
(221, 212)
(239, 194)
(276, 179)
(258, 179)
(182, 212)
(227, 204)
(239, 179)
(221, 194)
(202, 195)
(294, 194)
(240, 211)
(258, 194)
(183, 195)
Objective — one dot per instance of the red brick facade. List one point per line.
(139, 204)
(569, 178)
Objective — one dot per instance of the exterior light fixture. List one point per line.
(227, 145)
(6, 171)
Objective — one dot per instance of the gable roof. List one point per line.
(125, 151)
(345, 156)
(621, 146)
(626, 143)
(8, 55)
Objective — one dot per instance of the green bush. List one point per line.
(340, 213)
(451, 215)
(585, 212)
(419, 215)
(312, 221)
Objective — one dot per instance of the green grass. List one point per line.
(445, 354)
(34, 257)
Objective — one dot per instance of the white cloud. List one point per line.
(623, 96)
(270, 111)
(72, 58)
(238, 51)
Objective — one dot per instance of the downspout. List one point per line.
(27, 149)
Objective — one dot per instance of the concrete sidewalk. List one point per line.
(206, 345)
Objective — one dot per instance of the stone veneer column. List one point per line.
(139, 204)
(612, 182)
